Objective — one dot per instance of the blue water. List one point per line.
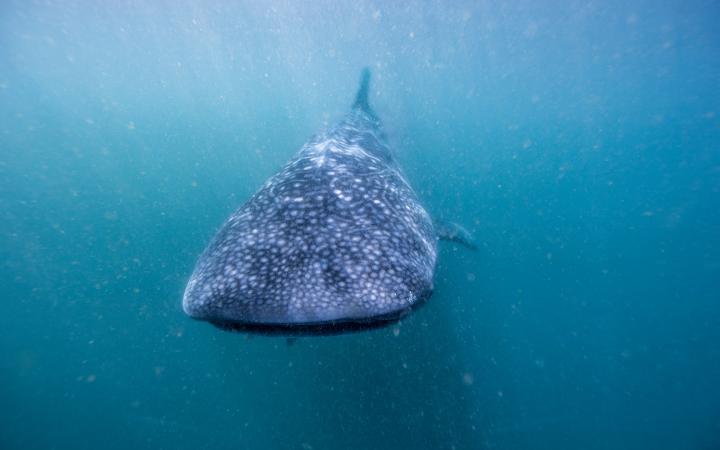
(577, 140)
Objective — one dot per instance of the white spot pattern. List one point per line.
(337, 234)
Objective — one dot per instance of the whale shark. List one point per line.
(336, 241)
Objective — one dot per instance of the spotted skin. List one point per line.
(336, 240)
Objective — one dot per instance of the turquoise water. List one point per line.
(578, 141)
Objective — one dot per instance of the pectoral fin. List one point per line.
(451, 231)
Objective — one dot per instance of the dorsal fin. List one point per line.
(361, 99)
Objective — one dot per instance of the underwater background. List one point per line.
(577, 140)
